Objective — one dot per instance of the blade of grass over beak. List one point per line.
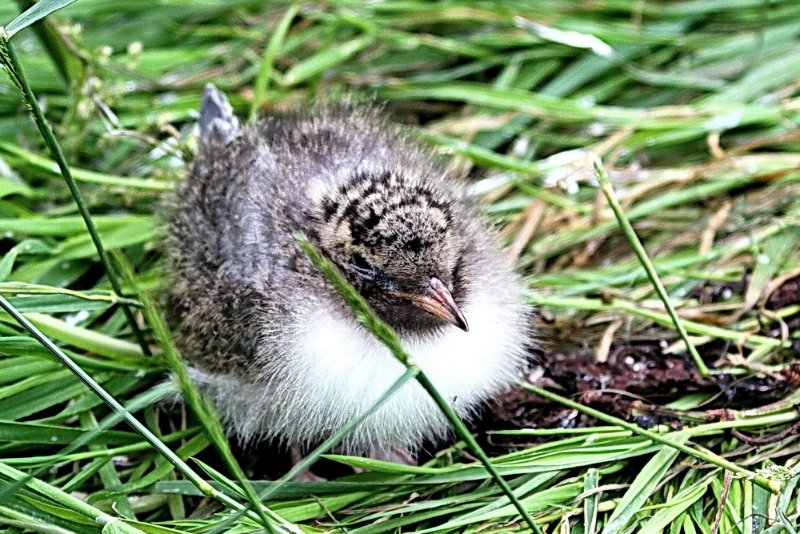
(641, 253)
(388, 337)
(11, 64)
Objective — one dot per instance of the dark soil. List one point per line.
(638, 378)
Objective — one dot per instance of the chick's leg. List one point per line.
(305, 476)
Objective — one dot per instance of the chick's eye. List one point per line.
(363, 268)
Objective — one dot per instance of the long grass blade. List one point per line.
(11, 64)
(389, 338)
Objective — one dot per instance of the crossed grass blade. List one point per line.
(120, 410)
(11, 64)
(388, 337)
(417, 44)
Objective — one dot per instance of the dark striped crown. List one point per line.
(396, 226)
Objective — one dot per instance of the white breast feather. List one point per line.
(334, 370)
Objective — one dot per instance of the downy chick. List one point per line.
(274, 344)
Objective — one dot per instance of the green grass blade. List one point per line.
(389, 338)
(605, 185)
(14, 69)
(37, 12)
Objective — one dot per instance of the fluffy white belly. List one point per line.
(333, 370)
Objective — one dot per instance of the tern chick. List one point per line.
(273, 343)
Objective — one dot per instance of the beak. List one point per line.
(437, 300)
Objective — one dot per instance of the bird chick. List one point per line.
(273, 343)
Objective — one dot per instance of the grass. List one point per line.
(693, 108)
